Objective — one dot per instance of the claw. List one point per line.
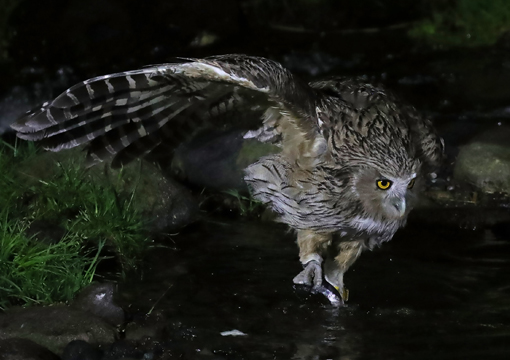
(344, 293)
(311, 275)
(335, 277)
(331, 293)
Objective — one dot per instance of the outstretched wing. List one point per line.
(128, 114)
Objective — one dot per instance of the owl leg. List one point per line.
(334, 270)
(310, 243)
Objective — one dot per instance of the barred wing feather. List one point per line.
(128, 114)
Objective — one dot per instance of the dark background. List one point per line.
(449, 58)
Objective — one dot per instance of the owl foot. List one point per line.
(344, 293)
(334, 276)
(331, 293)
(311, 275)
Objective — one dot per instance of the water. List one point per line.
(433, 292)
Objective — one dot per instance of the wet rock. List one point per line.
(81, 350)
(463, 208)
(152, 326)
(131, 349)
(123, 349)
(24, 349)
(167, 204)
(97, 299)
(485, 162)
(54, 327)
(218, 161)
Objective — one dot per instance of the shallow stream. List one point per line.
(431, 293)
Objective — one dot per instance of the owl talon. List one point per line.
(311, 275)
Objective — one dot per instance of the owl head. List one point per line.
(376, 145)
(386, 194)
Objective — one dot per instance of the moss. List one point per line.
(464, 23)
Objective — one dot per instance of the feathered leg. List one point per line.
(310, 244)
(335, 268)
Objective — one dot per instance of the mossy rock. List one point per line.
(217, 161)
(54, 327)
(485, 162)
(165, 204)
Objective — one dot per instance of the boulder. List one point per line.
(485, 161)
(55, 326)
(81, 350)
(98, 299)
(165, 203)
(24, 349)
(217, 160)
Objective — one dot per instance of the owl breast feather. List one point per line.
(308, 200)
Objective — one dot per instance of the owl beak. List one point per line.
(399, 204)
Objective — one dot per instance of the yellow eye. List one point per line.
(411, 184)
(384, 184)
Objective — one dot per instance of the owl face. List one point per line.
(386, 195)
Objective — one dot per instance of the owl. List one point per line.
(352, 157)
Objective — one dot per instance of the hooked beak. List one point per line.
(398, 205)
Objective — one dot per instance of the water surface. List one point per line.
(433, 292)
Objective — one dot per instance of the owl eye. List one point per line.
(384, 184)
(411, 184)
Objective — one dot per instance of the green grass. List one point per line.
(247, 205)
(36, 273)
(97, 221)
(464, 23)
(91, 211)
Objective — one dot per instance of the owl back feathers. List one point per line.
(368, 125)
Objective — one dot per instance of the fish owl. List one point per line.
(352, 157)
